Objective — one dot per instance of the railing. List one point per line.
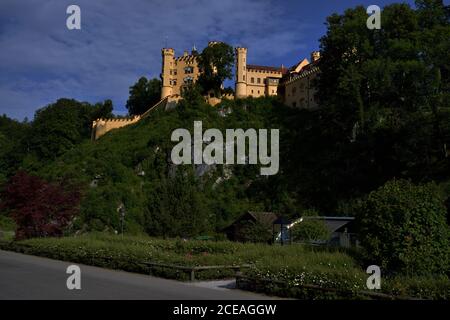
(191, 270)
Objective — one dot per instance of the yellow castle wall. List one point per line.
(102, 126)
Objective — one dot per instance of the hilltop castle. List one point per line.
(294, 85)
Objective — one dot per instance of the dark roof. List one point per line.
(264, 217)
(267, 68)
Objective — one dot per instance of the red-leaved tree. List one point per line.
(39, 208)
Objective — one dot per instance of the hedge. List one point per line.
(298, 268)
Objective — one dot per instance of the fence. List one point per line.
(191, 270)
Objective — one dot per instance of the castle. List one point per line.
(293, 85)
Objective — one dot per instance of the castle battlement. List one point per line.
(102, 125)
(126, 119)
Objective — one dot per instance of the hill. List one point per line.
(132, 166)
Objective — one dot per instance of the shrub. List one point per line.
(310, 230)
(255, 231)
(39, 208)
(403, 229)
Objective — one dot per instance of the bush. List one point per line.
(403, 229)
(310, 230)
(6, 223)
(255, 231)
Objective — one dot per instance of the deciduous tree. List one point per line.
(39, 208)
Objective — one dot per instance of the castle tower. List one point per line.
(241, 72)
(168, 60)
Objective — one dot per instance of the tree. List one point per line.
(216, 63)
(39, 208)
(60, 126)
(310, 230)
(384, 104)
(143, 95)
(403, 228)
(13, 145)
(177, 207)
(255, 231)
(102, 110)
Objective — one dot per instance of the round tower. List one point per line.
(241, 72)
(168, 60)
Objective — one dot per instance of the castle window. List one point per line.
(258, 91)
(258, 80)
(252, 80)
(188, 80)
(243, 78)
(252, 91)
(188, 70)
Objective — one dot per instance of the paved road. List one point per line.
(30, 277)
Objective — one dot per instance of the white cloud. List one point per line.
(41, 60)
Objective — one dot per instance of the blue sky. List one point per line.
(41, 60)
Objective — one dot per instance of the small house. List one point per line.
(236, 231)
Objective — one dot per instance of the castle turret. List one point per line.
(241, 72)
(168, 60)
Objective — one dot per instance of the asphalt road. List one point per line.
(30, 277)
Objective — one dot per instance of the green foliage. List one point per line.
(310, 230)
(384, 97)
(216, 62)
(102, 110)
(143, 95)
(256, 232)
(288, 268)
(61, 126)
(186, 216)
(427, 287)
(7, 223)
(162, 199)
(402, 227)
(13, 145)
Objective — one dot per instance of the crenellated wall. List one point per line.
(102, 126)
